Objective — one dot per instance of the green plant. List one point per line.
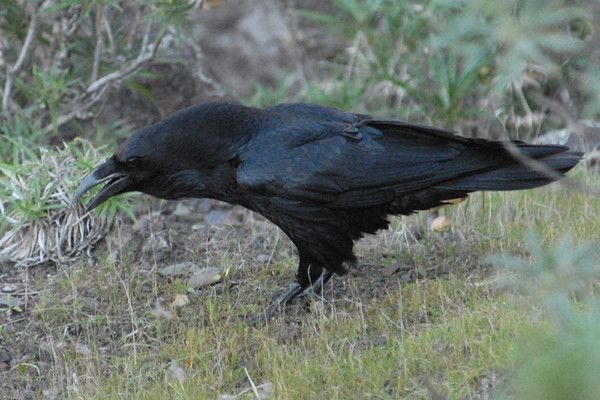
(61, 57)
(539, 53)
(561, 360)
(392, 67)
(452, 84)
(37, 213)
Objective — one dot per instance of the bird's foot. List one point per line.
(294, 291)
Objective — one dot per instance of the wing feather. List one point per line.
(317, 161)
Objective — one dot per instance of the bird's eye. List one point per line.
(131, 162)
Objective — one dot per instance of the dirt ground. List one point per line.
(258, 262)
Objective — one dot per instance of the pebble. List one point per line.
(176, 269)
(263, 258)
(182, 210)
(180, 300)
(9, 288)
(216, 217)
(204, 277)
(5, 359)
(156, 246)
(440, 224)
(8, 301)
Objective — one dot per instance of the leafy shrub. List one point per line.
(563, 359)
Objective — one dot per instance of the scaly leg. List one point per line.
(294, 291)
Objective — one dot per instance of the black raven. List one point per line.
(324, 176)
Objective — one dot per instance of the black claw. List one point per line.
(294, 291)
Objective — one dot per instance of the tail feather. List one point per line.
(518, 176)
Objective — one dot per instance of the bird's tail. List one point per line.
(549, 163)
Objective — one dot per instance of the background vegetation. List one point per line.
(425, 314)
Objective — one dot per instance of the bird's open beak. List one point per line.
(117, 182)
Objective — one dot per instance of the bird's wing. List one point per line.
(350, 161)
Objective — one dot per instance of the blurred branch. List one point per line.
(80, 108)
(549, 173)
(134, 25)
(129, 68)
(16, 67)
(83, 102)
(298, 53)
(217, 88)
(109, 34)
(559, 109)
(98, 49)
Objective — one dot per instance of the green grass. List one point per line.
(454, 328)
(448, 332)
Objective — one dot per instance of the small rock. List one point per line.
(5, 359)
(204, 277)
(50, 393)
(82, 349)
(216, 217)
(9, 288)
(176, 269)
(4, 366)
(263, 258)
(182, 210)
(162, 313)
(204, 205)
(142, 226)
(440, 224)
(180, 300)
(265, 390)
(406, 277)
(157, 246)
(11, 302)
(197, 227)
(177, 372)
(147, 223)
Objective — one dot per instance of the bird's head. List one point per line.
(175, 157)
(131, 168)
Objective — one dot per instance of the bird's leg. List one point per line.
(316, 287)
(293, 292)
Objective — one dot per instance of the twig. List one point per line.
(109, 34)
(98, 49)
(254, 389)
(129, 68)
(216, 87)
(547, 172)
(297, 51)
(146, 38)
(77, 110)
(529, 114)
(97, 88)
(131, 34)
(353, 55)
(12, 71)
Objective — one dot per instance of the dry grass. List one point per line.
(442, 322)
(43, 224)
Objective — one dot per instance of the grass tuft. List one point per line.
(39, 221)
